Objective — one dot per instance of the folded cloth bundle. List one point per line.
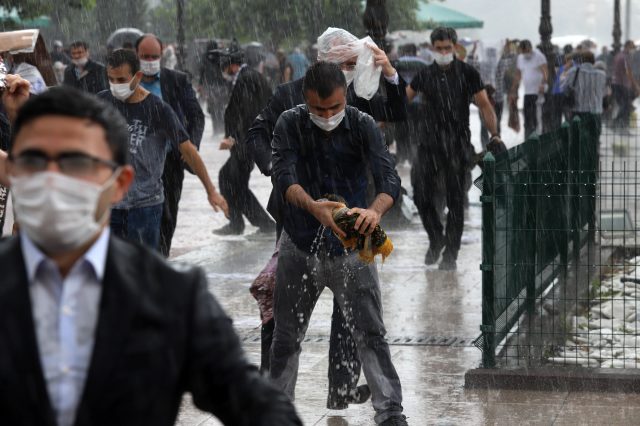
(368, 246)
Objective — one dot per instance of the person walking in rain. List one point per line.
(532, 70)
(356, 58)
(153, 127)
(85, 73)
(175, 89)
(325, 147)
(444, 157)
(96, 330)
(250, 94)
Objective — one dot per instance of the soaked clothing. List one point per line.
(250, 94)
(329, 163)
(152, 126)
(356, 288)
(389, 109)
(444, 154)
(334, 163)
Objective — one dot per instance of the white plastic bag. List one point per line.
(338, 46)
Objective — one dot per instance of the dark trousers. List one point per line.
(172, 179)
(623, 97)
(344, 365)
(300, 279)
(234, 187)
(435, 178)
(530, 115)
(141, 225)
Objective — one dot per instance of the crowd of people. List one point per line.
(95, 168)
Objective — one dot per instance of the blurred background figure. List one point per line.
(299, 63)
(84, 73)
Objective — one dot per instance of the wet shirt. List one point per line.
(447, 96)
(328, 163)
(152, 126)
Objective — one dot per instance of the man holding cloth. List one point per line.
(325, 147)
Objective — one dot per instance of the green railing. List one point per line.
(538, 211)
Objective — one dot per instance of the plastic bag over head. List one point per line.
(338, 46)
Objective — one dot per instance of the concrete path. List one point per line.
(441, 308)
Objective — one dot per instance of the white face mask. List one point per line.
(80, 62)
(349, 75)
(150, 68)
(443, 59)
(56, 211)
(328, 124)
(122, 91)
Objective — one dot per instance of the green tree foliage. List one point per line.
(33, 8)
(286, 22)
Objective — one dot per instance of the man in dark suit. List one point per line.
(85, 74)
(174, 88)
(249, 95)
(96, 330)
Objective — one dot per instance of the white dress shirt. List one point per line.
(65, 313)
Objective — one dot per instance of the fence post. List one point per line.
(531, 222)
(564, 233)
(488, 261)
(574, 186)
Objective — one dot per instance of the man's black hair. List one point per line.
(324, 78)
(120, 57)
(142, 37)
(525, 45)
(70, 102)
(79, 44)
(444, 34)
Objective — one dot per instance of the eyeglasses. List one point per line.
(69, 163)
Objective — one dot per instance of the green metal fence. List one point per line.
(538, 212)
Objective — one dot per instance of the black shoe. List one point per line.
(228, 230)
(448, 263)
(400, 420)
(433, 254)
(359, 395)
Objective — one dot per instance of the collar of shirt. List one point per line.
(235, 77)
(96, 256)
(153, 86)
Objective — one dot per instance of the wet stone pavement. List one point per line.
(431, 319)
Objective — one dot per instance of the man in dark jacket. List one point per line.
(85, 74)
(249, 96)
(174, 88)
(326, 147)
(98, 331)
(344, 369)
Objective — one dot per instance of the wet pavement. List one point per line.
(431, 318)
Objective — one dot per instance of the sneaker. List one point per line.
(359, 395)
(433, 254)
(228, 230)
(400, 420)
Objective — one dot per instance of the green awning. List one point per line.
(12, 16)
(431, 15)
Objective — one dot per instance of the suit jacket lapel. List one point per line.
(17, 326)
(117, 306)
